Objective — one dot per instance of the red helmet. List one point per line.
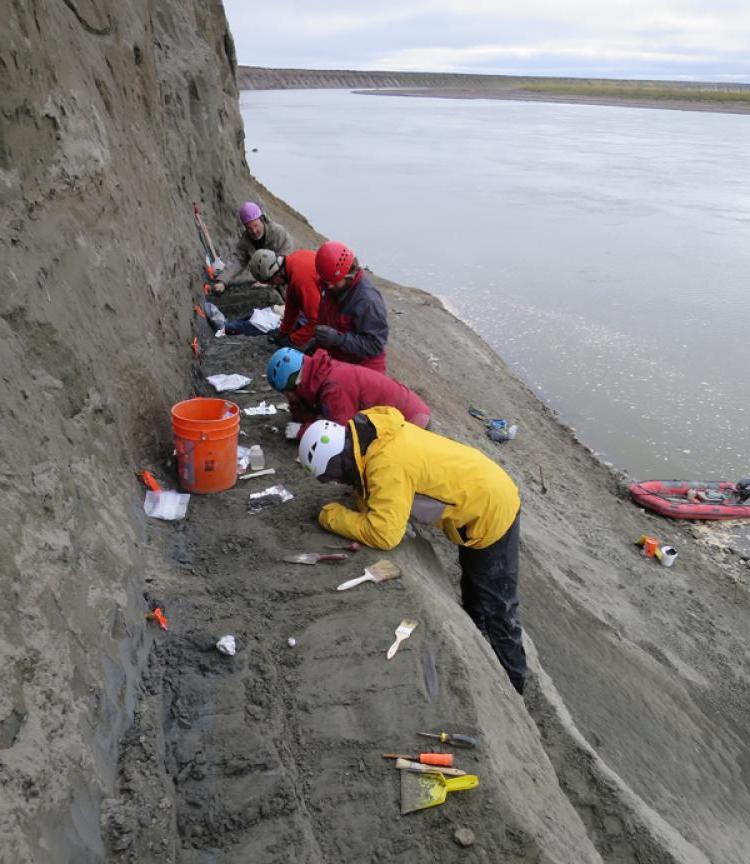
(333, 261)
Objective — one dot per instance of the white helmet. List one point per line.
(322, 441)
(265, 264)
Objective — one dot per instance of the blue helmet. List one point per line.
(284, 363)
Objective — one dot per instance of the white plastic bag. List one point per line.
(243, 458)
(265, 319)
(166, 505)
(228, 382)
(264, 409)
(257, 501)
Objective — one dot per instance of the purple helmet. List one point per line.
(249, 212)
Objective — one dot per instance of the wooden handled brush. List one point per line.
(380, 571)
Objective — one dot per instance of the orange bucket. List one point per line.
(205, 438)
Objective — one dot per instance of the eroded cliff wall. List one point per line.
(110, 114)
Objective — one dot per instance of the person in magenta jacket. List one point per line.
(319, 386)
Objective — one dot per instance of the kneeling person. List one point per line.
(352, 319)
(296, 274)
(319, 386)
(401, 471)
(258, 232)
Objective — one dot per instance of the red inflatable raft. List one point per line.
(693, 499)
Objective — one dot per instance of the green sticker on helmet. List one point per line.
(324, 439)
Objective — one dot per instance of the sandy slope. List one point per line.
(636, 719)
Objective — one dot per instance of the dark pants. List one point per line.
(489, 593)
(242, 327)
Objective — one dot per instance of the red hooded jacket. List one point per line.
(336, 391)
(302, 298)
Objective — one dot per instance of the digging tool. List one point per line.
(213, 261)
(214, 264)
(314, 557)
(445, 759)
(420, 791)
(350, 547)
(403, 631)
(263, 471)
(453, 738)
(419, 768)
(380, 571)
(148, 480)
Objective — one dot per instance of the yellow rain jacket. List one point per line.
(403, 461)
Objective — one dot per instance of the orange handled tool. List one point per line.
(649, 544)
(148, 479)
(445, 759)
(158, 616)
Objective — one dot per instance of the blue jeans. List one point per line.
(242, 327)
(489, 594)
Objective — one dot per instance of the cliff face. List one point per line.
(110, 113)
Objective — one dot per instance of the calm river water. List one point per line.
(604, 253)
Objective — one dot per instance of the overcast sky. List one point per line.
(706, 40)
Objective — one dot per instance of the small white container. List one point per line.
(257, 459)
(667, 554)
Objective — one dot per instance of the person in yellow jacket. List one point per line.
(401, 471)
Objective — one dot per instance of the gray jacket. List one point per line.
(276, 238)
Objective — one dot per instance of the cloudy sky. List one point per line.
(706, 40)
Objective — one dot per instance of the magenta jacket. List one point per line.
(336, 390)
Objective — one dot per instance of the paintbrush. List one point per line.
(380, 571)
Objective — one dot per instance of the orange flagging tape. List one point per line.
(158, 616)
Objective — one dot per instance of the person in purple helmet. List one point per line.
(259, 233)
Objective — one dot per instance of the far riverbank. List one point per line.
(674, 95)
(570, 98)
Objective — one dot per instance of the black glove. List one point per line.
(327, 337)
(277, 339)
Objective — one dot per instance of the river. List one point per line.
(603, 252)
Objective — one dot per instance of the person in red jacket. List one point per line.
(297, 274)
(319, 386)
(296, 277)
(352, 319)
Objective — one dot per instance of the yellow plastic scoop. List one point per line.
(420, 791)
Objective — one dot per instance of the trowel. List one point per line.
(315, 557)
(420, 791)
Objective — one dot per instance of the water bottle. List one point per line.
(257, 459)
